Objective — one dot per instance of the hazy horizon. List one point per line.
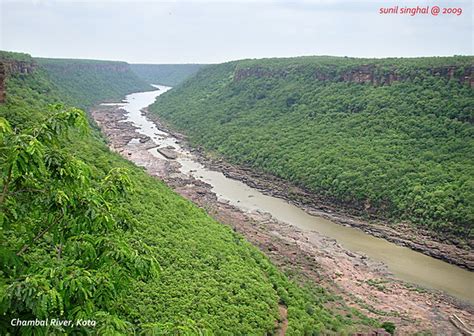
(177, 32)
(192, 63)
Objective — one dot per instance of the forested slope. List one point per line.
(85, 82)
(391, 138)
(85, 234)
(165, 74)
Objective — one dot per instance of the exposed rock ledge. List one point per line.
(368, 74)
(8, 67)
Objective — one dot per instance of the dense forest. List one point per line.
(85, 234)
(86, 82)
(165, 74)
(391, 138)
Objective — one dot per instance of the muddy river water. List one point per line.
(404, 263)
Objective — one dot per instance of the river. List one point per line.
(402, 262)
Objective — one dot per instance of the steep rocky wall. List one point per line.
(2, 82)
(9, 67)
(74, 66)
(368, 74)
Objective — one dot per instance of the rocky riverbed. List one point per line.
(361, 282)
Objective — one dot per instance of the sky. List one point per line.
(219, 31)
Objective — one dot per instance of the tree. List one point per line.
(64, 250)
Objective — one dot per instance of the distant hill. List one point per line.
(388, 138)
(87, 82)
(165, 74)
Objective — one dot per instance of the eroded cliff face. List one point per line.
(76, 66)
(2, 83)
(9, 67)
(368, 74)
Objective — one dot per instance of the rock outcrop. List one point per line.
(9, 67)
(368, 74)
(2, 82)
(168, 153)
(72, 66)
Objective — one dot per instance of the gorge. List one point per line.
(256, 243)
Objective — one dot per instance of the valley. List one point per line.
(196, 195)
(309, 251)
(227, 168)
(88, 235)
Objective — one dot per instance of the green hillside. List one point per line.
(391, 138)
(85, 234)
(86, 82)
(165, 74)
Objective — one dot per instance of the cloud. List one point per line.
(217, 31)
